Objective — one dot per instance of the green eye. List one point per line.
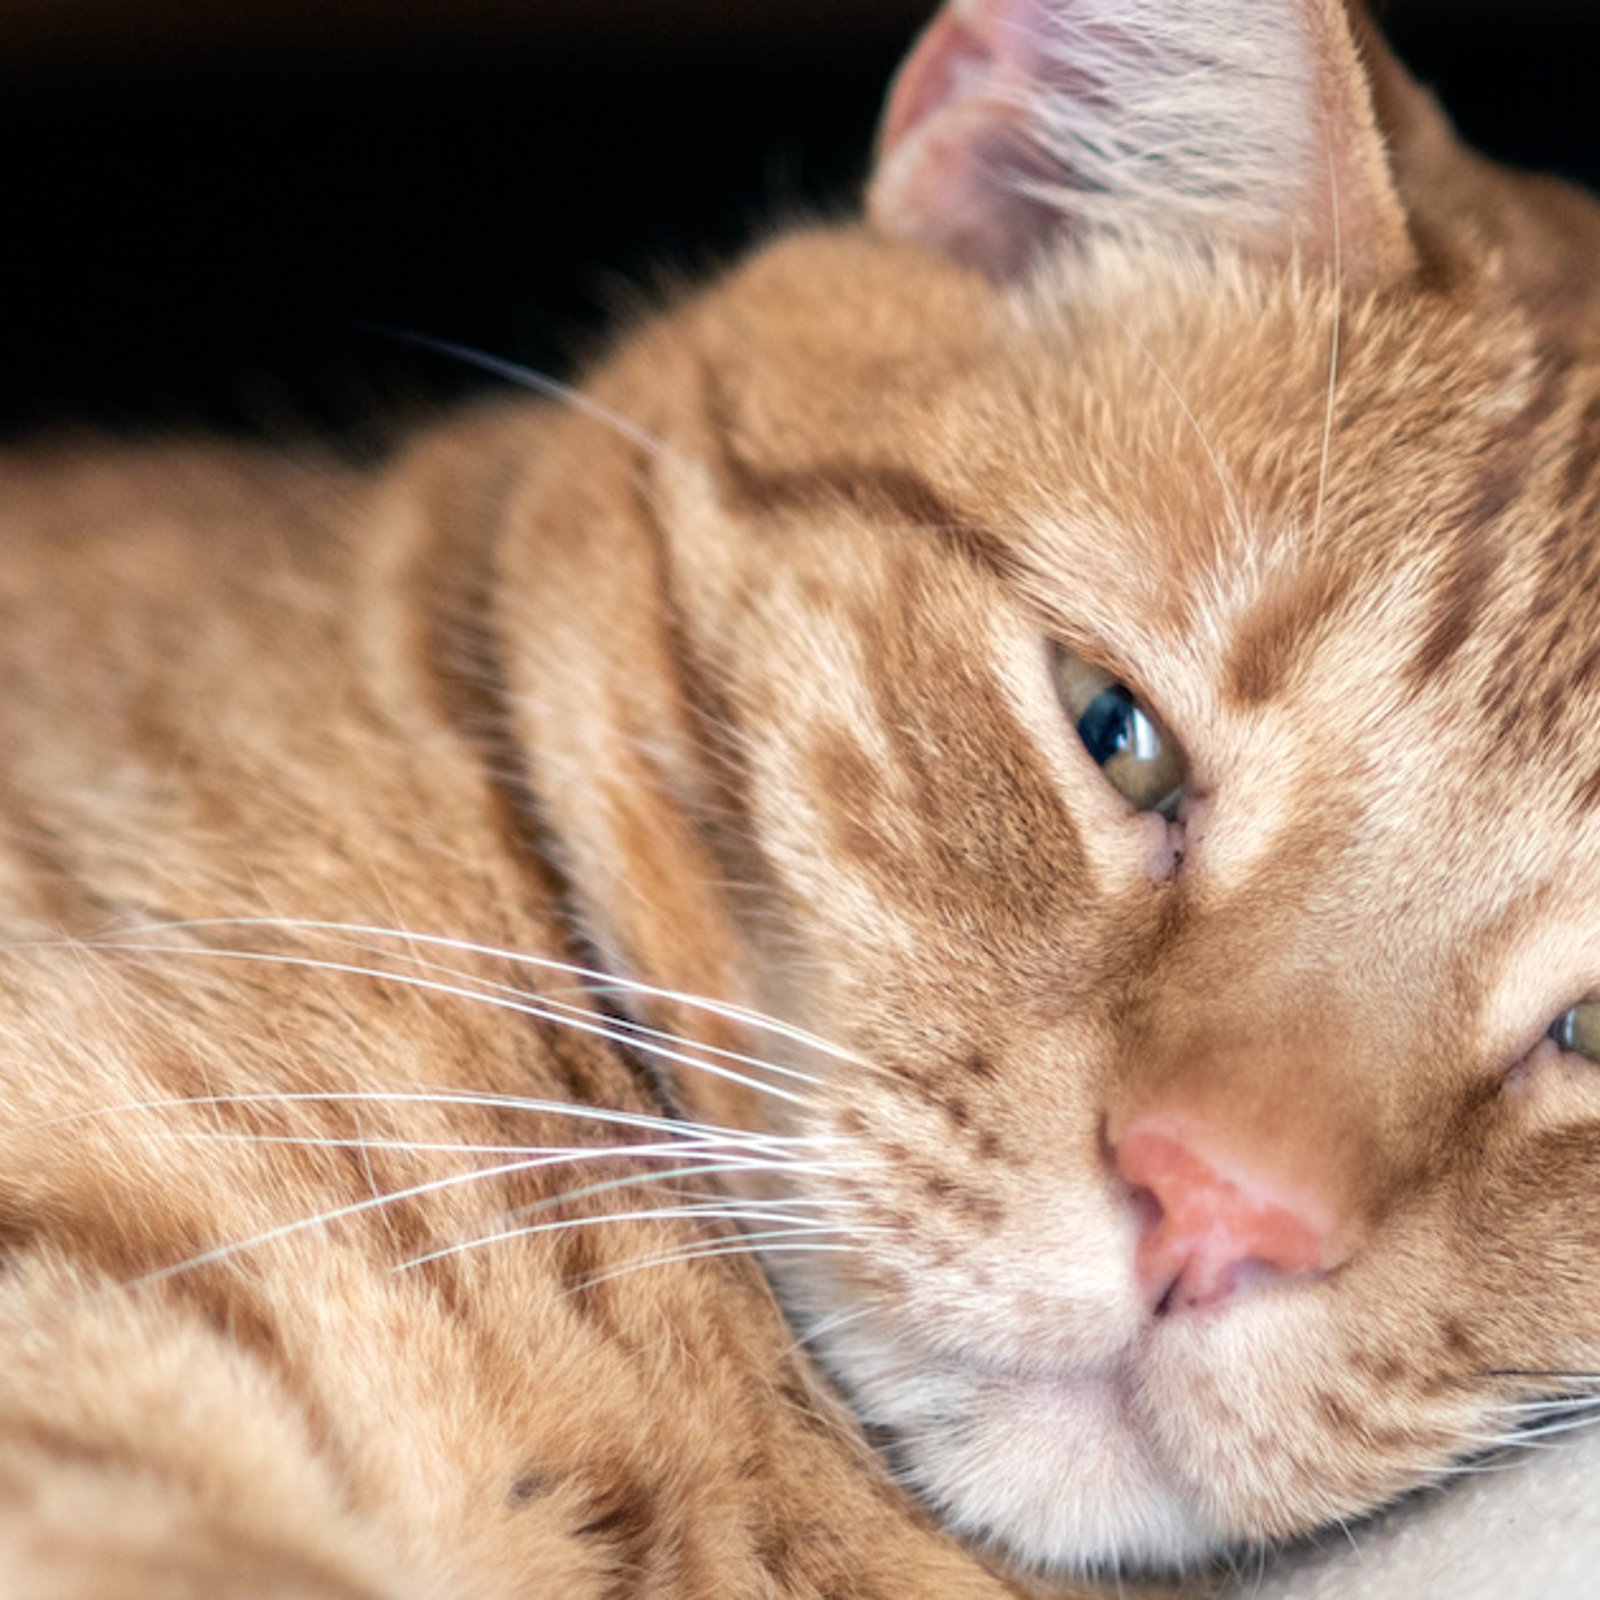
(1579, 1030)
(1139, 757)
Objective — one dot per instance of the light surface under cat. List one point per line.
(1032, 753)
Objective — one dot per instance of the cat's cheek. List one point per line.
(1280, 1417)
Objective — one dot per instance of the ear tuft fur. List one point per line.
(1015, 123)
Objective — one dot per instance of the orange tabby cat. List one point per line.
(1100, 657)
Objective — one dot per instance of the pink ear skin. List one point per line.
(955, 129)
(1236, 122)
(947, 60)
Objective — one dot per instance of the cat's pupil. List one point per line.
(1140, 759)
(1114, 724)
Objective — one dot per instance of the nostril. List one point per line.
(1149, 1217)
(1208, 1233)
(1147, 1209)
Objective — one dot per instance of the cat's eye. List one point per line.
(1125, 738)
(1579, 1030)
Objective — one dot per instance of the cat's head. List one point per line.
(1110, 644)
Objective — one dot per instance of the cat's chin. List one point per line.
(1057, 1471)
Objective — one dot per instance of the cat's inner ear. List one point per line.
(1016, 124)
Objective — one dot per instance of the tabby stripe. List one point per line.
(473, 699)
(875, 491)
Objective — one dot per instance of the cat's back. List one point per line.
(125, 567)
(182, 646)
(96, 523)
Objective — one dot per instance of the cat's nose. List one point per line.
(1210, 1229)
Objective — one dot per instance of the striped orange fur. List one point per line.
(570, 1003)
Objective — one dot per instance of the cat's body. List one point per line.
(737, 682)
(300, 1418)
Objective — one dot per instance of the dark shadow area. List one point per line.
(211, 239)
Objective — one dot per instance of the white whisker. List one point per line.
(1564, 1403)
(670, 1151)
(595, 1026)
(558, 1108)
(541, 383)
(601, 980)
(1224, 482)
(748, 1244)
(323, 1218)
(630, 1028)
(1519, 1437)
(746, 1166)
(1336, 344)
(821, 1329)
(711, 1212)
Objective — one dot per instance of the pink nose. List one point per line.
(1206, 1235)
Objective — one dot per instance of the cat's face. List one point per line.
(1341, 959)
(1338, 544)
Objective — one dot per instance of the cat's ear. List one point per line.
(1017, 123)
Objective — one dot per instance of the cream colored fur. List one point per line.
(442, 903)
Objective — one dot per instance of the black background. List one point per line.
(208, 235)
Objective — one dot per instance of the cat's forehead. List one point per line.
(1361, 534)
(1192, 464)
(1361, 541)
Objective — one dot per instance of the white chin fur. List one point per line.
(1055, 1472)
(1054, 1467)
